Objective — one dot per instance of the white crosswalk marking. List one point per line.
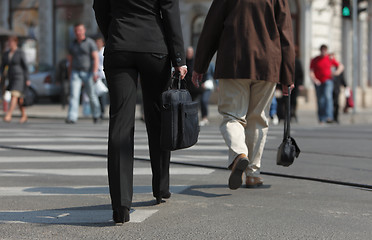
(101, 147)
(190, 157)
(48, 159)
(76, 190)
(209, 140)
(203, 139)
(66, 147)
(69, 216)
(97, 171)
(52, 140)
(62, 147)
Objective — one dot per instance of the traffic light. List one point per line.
(346, 8)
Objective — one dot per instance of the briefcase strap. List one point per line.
(287, 119)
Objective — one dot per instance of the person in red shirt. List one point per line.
(322, 73)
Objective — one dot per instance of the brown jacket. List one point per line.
(253, 40)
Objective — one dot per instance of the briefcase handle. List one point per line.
(177, 81)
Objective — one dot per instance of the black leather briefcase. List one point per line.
(179, 118)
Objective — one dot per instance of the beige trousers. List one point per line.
(244, 105)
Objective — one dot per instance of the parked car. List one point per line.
(44, 83)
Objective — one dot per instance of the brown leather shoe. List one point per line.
(252, 182)
(238, 167)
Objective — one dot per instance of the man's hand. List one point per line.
(314, 79)
(196, 78)
(317, 82)
(285, 89)
(95, 77)
(182, 70)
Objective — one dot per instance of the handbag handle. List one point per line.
(287, 119)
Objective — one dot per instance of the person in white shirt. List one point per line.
(101, 74)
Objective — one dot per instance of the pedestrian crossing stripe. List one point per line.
(69, 216)
(104, 141)
(77, 190)
(182, 158)
(52, 140)
(90, 139)
(49, 159)
(96, 171)
(103, 147)
(76, 159)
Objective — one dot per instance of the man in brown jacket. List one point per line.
(255, 51)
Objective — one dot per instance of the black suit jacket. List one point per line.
(141, 26)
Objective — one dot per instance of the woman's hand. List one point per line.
(196, 78)
(182, 70)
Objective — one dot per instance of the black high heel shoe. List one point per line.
(120, 215)
(159, 199)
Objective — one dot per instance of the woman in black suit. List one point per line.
(14, 67)
(143, 37)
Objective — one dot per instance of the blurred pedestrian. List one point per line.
(322, 75)
(349, 101)
(14, 68)
(83, 69)
(255, 50)
(101, 74)
(338, 81)
(298, 82)
(195, 92)
(208, 85)
(146, 39)
(273, 111)
(5, 99)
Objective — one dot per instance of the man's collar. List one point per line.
(81, 41)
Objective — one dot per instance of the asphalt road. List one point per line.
(53, 185)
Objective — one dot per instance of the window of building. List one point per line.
(24, 17)
(66, 14)
(24, 20)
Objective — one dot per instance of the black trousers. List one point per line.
(335, 95)
(122, 70)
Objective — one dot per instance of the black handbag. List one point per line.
(29, 97)
(288, 149)
(179, 118)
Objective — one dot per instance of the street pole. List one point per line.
(355, 51)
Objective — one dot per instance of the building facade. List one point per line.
(47, 26)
